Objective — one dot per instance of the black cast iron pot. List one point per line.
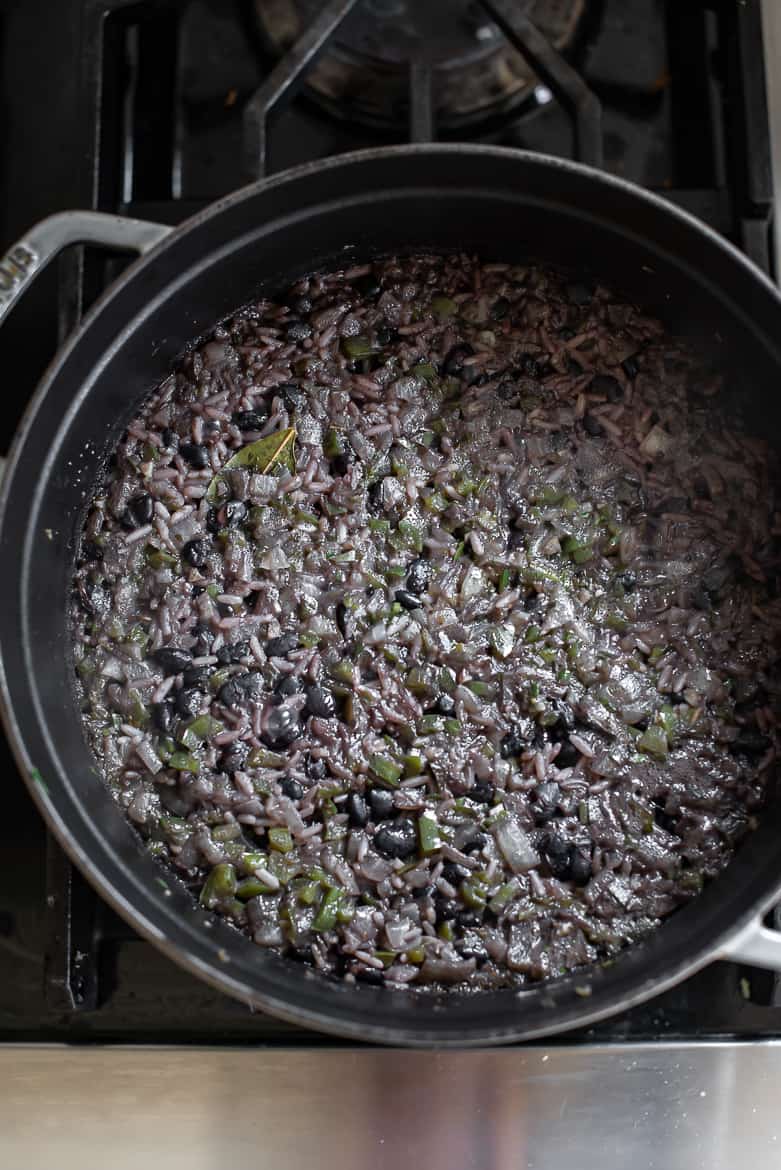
(503, 204)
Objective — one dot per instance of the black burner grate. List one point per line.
(161, 106)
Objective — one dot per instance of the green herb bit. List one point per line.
(264, 758)
(443, 307)
(158, 558)
(335, 906)
(505, 895)
(654, 742)
(280, 839)
(184, 762)
(413, 764)
(332, 444)
(219, 885)
(428, 833)
(474, 892)
(199, 729)
(357, 348)
(425, 370)
(386, 770)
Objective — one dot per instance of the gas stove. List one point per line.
(155, 108)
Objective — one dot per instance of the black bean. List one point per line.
(444, 705)
(171, 659)
(163, 716)
(418, 575)
(233, 652)
(374, 503)
(91, 551)
(281, 646)
(128, 520)
(574, 368)
(292, 788)
(750, 742)
(454, 873)
(506, 391)
(292, 395)
(512, 744)
(142, 508)
(170, 438)
(482, 791)
(578, 294)
(367, 286)
(289, 685)
(370, 975)
(341, 613)
(298, 331)
(302, 304)
(203, 639)
(455, 357)
(446, 909)
(500, 308)
(188, 702)
(339, 465)
(282, 727)
(568, 755)
(249, 420)
(663, 819)
(628, 580)
(250, 684)
(700, 598)
(235, 513)
(675, 699)
(566, 334)
(195, 552)
(529, 366)
(196, 676)
(380, 803)
(547, 796)
(565, 719)
(592, 425)
(558, 854)
(397, 838)
(387, 335)
(357, 810)
(316, 769)
(320, 702)
(608, 385)
(630, 367)
(580, 864)
(239, 689)
(474, 841)
(195, 454)
(424, 892)
(408, 600)
(234, 758)
(470, 920)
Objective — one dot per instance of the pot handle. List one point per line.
(756, 945)
(30, 255)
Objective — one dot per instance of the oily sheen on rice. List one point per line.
(425, 623)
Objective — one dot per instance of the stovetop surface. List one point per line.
(141, 108)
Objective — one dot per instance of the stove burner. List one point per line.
(364, 75)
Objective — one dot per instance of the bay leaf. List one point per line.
(262, 456)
